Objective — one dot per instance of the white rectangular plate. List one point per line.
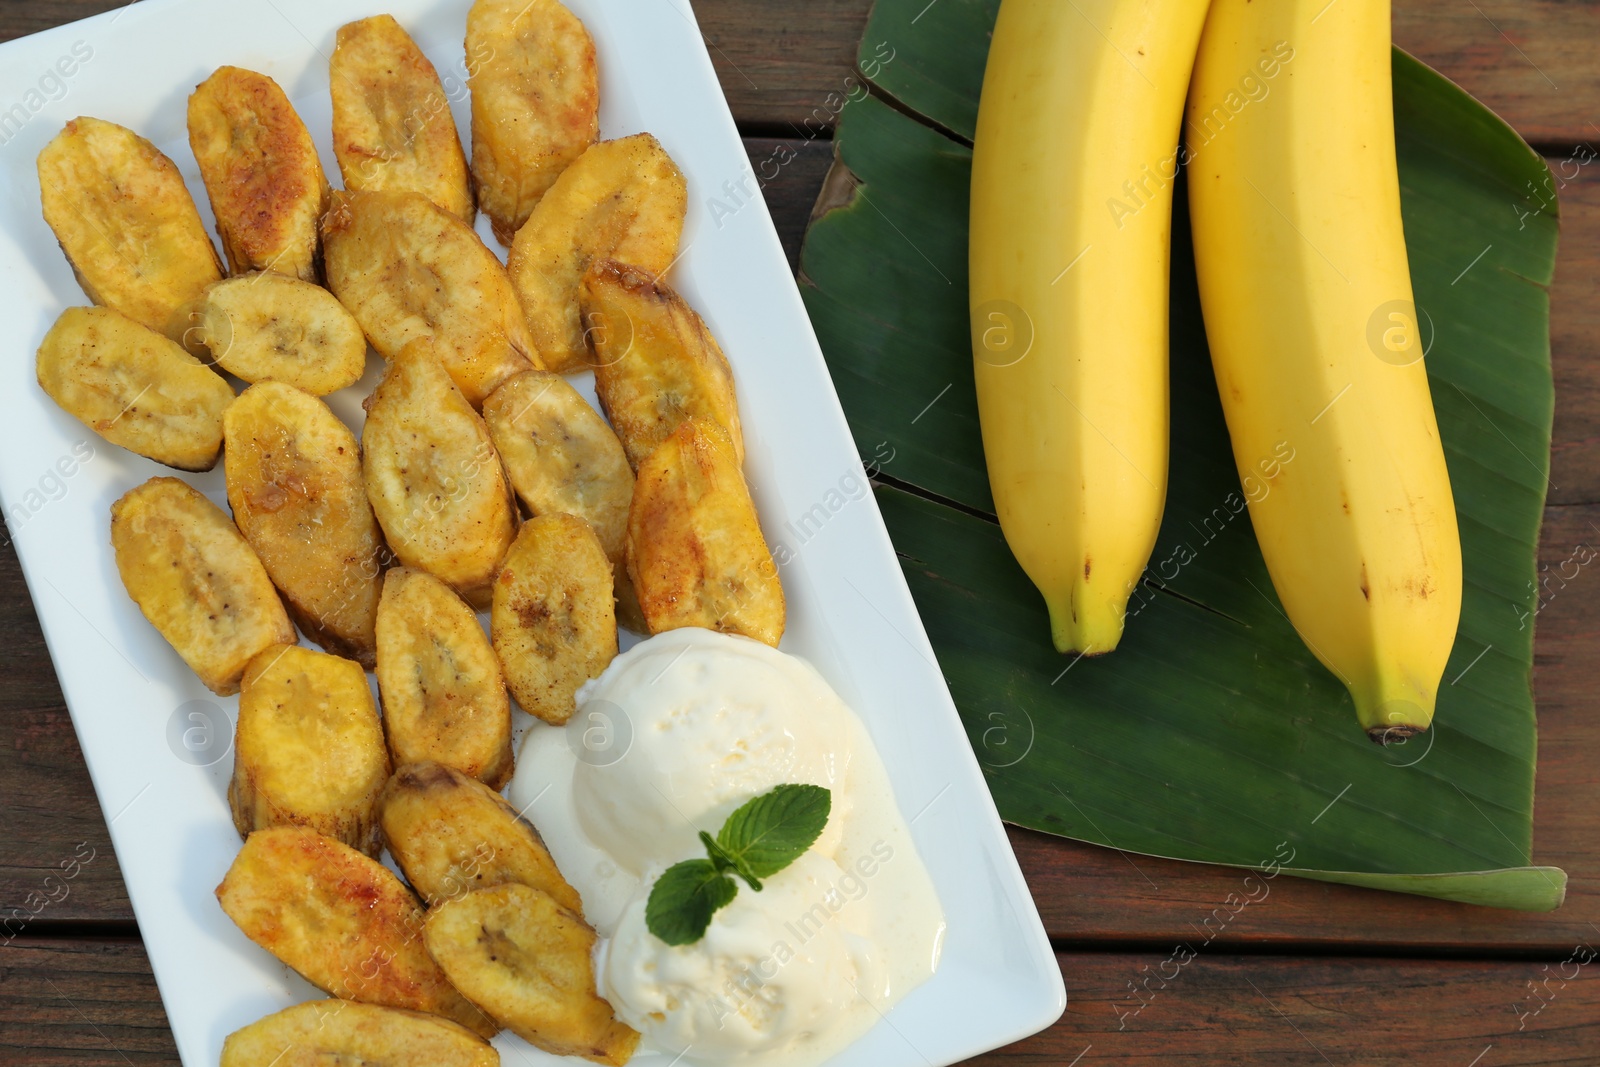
(141, 714)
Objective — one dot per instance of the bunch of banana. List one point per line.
(1072, 173)
(1308, 308)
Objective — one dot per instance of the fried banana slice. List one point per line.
(432, 475)
(535, 103)
(620, 200)
(452, 834)
(655, 363)
(261, 172)
(127, 223)
(134, 387)
(695, 549)
(408, 269)
(444, 694)
(553, 621)
(343, 921)
(524, 959)
(392, 127)
(322, 1033)
(560, 454)
(295, 486)
(308, 750)
(270, 326)
(197, 580)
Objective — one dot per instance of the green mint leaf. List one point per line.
(723, 861)
(683, 900)
(766, 834)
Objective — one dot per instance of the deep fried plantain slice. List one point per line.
(408, 269)
(444, 695)
(621, 200)
(323, 1033)
(553, 621)
(695, 548)
(127, 223)
(270, 326)
(345, 922)
(308, 750)
(656, 364)
(560, 454)
(452, 834)
(524, 959)
(432, 475)
(535, 102)
(392, 127)
(295, 486)
(261, 171)
(134, 387)
(197, 580)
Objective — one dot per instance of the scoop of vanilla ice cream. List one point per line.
(776, 971)
(713, 720)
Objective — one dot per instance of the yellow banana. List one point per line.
(1314, 338)
(1072, 170)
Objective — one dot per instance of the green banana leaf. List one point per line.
(1211, 734)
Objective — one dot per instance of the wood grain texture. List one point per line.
(95, 1005)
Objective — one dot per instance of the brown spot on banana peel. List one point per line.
(1366, 592)
(1087, 563)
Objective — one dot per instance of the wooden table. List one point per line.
(1314, 974)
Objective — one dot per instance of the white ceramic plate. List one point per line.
(157, 741)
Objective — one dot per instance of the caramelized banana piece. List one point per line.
(695, 548)
(134, 387)
(197, 580)
(323, 1033)
(408, 269)
(452, 834)
(621, 200)
(261, 171)
(535, 102)
(392, 127)
(553, 621)
(432, 475)
(295, 486)
(308, 750)
(270, 326)
(444, 695)
(525, 960)
(656, 364)
(343, 921)
(127, 223)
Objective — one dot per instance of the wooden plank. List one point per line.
(95, 1005)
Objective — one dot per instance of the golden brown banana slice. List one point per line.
(656, 364)
(197, 580)
(535, 102)
(433, 477)
(408, 269)
(127, 223)
(295, 486)
(554, 621)
(392, 127)
(261, 171)
(695, 548)
(270, 326)
(444, 695)
(308, 750)
(345, 922)
(620, 200)
(524, 959)
(560, 454)
(326, 1033)
(452, 834)
(134, 387)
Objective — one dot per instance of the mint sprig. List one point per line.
(761, 838)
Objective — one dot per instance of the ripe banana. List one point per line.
(1308, 307)
(1072, 171)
